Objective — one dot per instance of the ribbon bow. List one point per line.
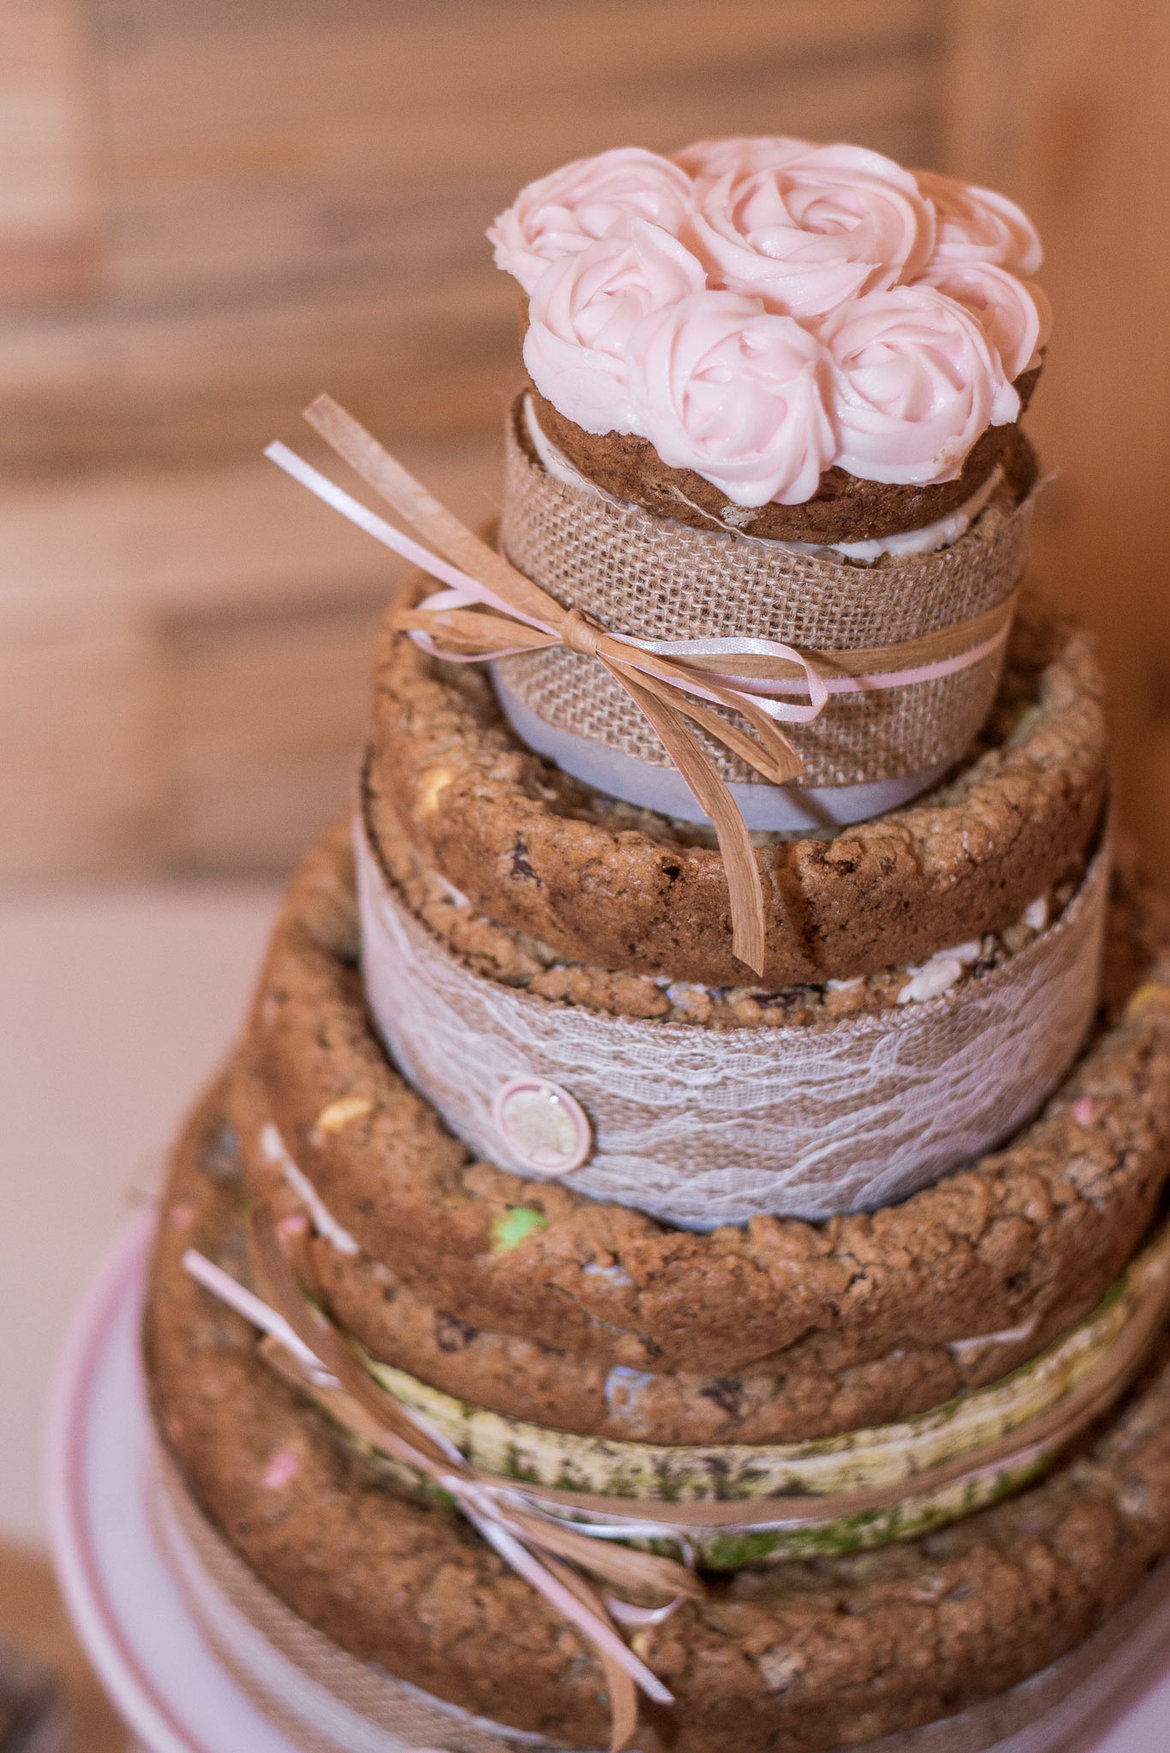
(304, 1347)
(490, 610)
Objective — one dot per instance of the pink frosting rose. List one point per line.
(583, 311)
(736, 393)
(979, 225)
(590, 199)
(916, 383)
(743, 152)
(1015, 313)
(815, 230)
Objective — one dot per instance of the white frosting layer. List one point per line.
(761, 309)
(926, 540)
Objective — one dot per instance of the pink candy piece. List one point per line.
(281, 1469)
(1084, 1111)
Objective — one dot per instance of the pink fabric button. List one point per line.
(544, 1128)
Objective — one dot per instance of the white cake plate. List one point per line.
(172, 1690)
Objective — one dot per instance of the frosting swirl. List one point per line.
(760, 308)
(741, 153)
(584, 310)
(590, 199)
(1015, 313)
(736, 393)
(814, 229)
(916, 383)
(979, 225)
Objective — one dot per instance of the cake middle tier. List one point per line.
(727, 1104)
(1046, 1222)
(802, 1395)
(605, 883)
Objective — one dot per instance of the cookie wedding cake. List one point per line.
(675, 1260)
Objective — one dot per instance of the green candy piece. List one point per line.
(515, 1226)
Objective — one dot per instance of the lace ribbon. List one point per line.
(491, 610)
(699, 1127)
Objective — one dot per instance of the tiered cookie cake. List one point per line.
(675, 1259)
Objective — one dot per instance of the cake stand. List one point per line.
(171, 1690)
(175, 1694)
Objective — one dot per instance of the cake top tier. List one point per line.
(763, 309)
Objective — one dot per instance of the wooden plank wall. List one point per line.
(47, 244)
(217, 207)
(1064, 102)
(286, 195)
(295, 191)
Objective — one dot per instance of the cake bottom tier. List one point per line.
(316, 1692)
(804, 1656)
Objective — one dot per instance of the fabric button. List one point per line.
(544, 1128)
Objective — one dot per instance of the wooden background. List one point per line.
(212, 209)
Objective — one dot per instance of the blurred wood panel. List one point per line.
(46, 227)
(1064, 103)
(265, 716)
(184, 385)
(211, 209)
(285, 196)
(411, 194)
(32, 1614)
(293, 197)
(357, 150)
(185, 664)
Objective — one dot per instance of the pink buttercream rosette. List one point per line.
(760, 309)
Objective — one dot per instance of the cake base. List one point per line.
(805, 1656)
(1063, 1709)
(139, 1626)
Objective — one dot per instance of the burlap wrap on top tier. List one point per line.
(699, 1127)
(654, 579)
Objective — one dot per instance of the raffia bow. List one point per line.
(491, 610)
(560, 1561)
(304, 1347)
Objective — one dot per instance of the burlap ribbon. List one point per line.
(558, 1556)
(492, 610)
(891, 714)
(327, 1701)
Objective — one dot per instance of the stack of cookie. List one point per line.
(618, 1263)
